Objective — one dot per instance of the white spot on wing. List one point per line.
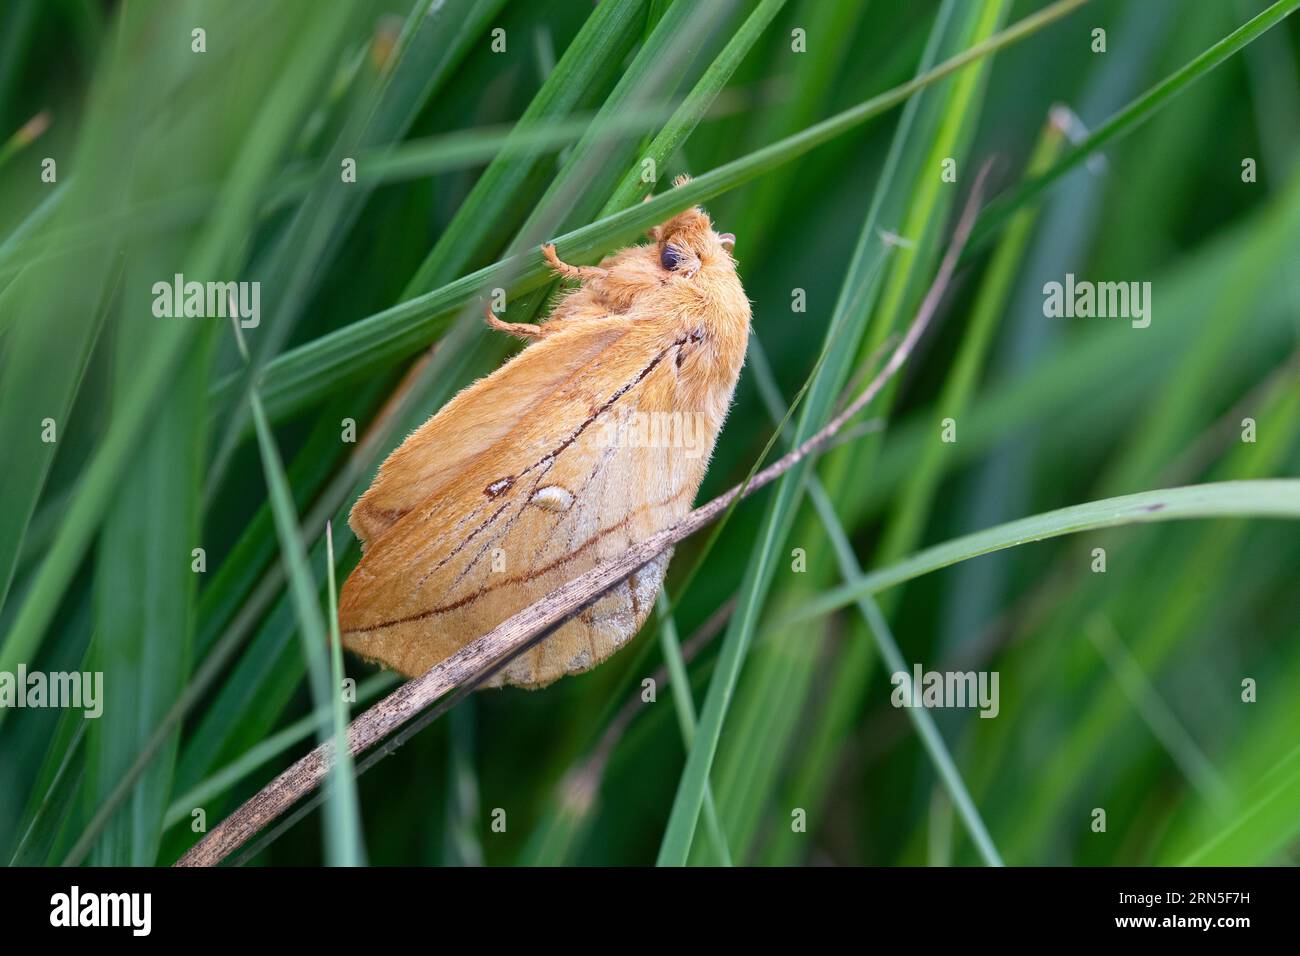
(553, 498)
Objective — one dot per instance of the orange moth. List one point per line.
(595, 436)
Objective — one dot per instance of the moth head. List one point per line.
(687, 245)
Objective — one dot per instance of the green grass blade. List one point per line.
(1262, 830)
(907, 518)
(433, 41)
(1276, 498)
(486, 217)
(844, 330)
(37, 382)
(145, 592)
(218, 245)
(343, 782)
(944, 765)
(304, 374)
(275, 745)
(702, 96)
(57, 790)
(1156, 713)
(343, 826)
(940, 130)
(1132, 116)
(680, 685)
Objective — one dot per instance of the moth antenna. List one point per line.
(580, 273)
(523, 330)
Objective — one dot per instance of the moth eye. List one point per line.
(670, 258)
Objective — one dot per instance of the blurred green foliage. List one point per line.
(483, 127)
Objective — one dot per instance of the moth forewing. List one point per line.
(594, 437)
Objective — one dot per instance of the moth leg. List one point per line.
(581, 273)
(524, 330)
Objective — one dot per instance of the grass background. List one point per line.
(1119, 691)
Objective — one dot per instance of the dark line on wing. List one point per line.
(551, 456)
(460, 547)
(510, 522)
(640, 377)
(401, 514)
(523, 578)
